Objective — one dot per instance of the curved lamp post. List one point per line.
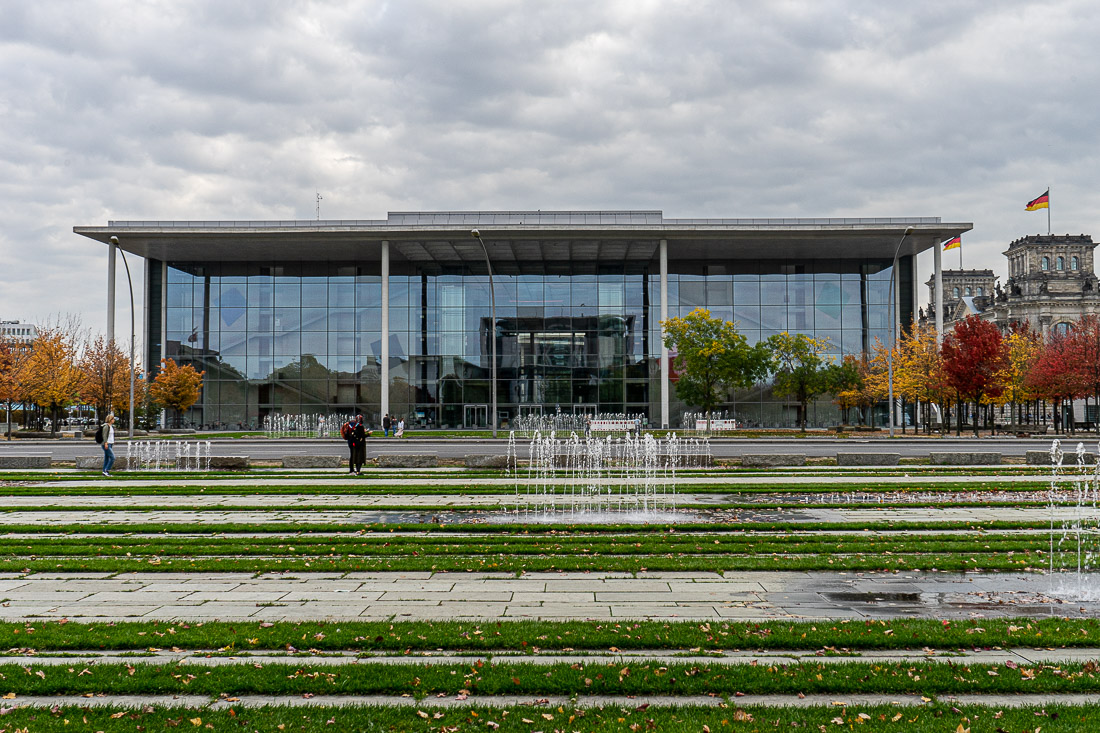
(133, 335)
(493, 333)
(893, 329)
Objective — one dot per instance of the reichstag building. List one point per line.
(396, 316)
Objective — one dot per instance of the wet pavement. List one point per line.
(550, 596)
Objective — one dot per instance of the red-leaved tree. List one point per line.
(1054, 376)
(1085, 341)
(974, 358)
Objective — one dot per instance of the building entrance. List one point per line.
(476, 416)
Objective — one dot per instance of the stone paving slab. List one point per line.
(204, 658)
(786, 478)
(748, 595)
(354, 517)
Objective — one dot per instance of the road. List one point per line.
(267, 449)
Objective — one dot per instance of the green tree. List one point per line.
(846, 383)
(712, 358)
(799, 367)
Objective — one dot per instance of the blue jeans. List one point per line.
(108, 457)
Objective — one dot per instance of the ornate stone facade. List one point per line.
(1051, 284)
(959, 284)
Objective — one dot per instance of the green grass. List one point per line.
(525, 636)
(306, 528)
(505, 677)
(517, 553)
(936, 717)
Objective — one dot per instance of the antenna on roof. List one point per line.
(318, 207)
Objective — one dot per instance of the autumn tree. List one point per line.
(176, 387)
(12, 356)
(1085, 341)
(50, 376)
(712, 358)
(1052, 376)
(919, 375)
(974, 360)
(106, 374)
(798, 365)
(1023, 346)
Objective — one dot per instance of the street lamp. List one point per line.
(893, 329)
(493, 333)
(133, 335)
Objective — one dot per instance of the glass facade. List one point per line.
(572, 334)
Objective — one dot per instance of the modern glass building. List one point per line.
(395, 316)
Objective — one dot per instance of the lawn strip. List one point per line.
(612, 677)
(305, 528)
(531, 636)
(449, 544)
(630, 718)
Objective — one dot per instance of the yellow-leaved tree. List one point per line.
(1024, 346)
(919, 374)
(12, 356)
(106, 373)
(50, 376)
(176, 387)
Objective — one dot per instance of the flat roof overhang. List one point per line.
(525, 236)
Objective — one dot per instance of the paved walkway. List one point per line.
(445, 478)
(551, 596)
(733, 658)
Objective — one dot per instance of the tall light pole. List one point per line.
(493, 332)
(133, 335)
(893, 329)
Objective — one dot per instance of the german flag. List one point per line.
(952, 243)
(1041, 202)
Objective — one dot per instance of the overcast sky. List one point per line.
(233, 109)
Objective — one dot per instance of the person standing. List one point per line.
(358, 445)
(347, 432)
(108, 444)
(399, 432)
(386, 424)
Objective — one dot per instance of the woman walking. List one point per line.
(108, 445)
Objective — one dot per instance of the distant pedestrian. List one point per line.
(400, 431)
(387, 423)
(108, 444)
(358, 445)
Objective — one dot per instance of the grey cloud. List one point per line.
(203, 110)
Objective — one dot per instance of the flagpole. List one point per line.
(1048, 211)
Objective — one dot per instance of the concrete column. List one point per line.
(110, 293)
(937, 264)
(385, 386)
(915, 308)
(146, 336)
(163, 327)
(666, 383)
